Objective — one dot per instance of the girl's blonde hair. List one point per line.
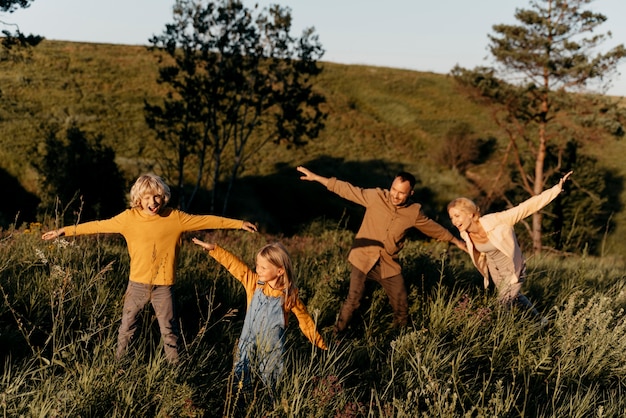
(466, 205)
(277, 255)
(149, 183)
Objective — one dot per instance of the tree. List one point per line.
(11, 40)
(82, 175)
(583, 216)
(237, 81)
(544, 58)
(11, 5)
(461, 148)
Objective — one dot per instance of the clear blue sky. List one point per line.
(413, 34)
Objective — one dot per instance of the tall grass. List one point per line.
(464, 355)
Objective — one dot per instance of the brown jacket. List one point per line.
(384, 227)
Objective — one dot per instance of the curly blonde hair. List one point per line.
(149, 183)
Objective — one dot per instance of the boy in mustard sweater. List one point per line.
(152, 232)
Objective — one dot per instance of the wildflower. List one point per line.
(41, 256)
(62, 243)
(327, 388)
(57, 271)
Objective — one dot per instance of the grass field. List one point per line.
(463, 354)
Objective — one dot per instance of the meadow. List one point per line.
(462, 356)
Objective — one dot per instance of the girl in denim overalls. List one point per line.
(271, 295)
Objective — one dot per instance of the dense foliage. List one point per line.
(81, 181)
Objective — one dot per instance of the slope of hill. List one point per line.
(380, 120)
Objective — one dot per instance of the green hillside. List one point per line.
(380, 120)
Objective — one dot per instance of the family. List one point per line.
(153, 230)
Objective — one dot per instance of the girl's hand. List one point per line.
(206, 245)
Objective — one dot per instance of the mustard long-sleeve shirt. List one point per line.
(250, 280)
(153, 241)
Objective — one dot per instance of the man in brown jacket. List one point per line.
(389, 214)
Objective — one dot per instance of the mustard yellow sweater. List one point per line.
(153, 241)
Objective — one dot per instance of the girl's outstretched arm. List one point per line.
(307, 325)
(235, 266)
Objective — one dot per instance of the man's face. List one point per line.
(151, 203)
(400, 192)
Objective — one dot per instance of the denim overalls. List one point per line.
(262, 340)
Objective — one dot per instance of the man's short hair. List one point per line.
(405, 176)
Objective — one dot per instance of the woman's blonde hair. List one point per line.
(149, 183)
(466, 205)
(277, 255)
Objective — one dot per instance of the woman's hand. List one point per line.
(209, 246)
(564, 179)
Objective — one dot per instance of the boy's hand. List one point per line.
(53, 234)
(206, 245)
(249, 226)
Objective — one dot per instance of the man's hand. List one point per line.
(308, 175)
(459, 243)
